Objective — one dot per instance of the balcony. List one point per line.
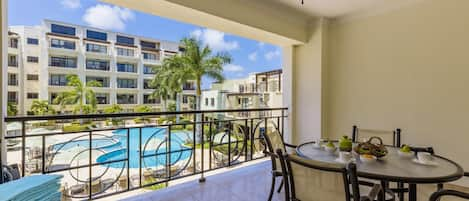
(157, 150)
(97, 49)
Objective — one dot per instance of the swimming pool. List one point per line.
(115, 147)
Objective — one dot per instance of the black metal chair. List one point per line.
(274, 141)
(308, 180)
(389, 137)
(447, 193)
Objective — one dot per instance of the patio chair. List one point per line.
(309, 180)
(389, 137)
(11, 172)
(436, 196)
(274, 141)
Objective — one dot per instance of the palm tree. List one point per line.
(194, 63)
(79, 95)
(41, 107)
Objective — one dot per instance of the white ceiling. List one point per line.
(342, 8)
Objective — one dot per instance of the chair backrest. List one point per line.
(309, 180)
(389, 137)
(274, 141)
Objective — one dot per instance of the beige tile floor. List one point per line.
(249, 183)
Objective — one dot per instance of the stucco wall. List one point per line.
(407, 68)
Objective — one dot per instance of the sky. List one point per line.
(248, 55)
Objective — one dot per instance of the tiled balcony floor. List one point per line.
(249, 183)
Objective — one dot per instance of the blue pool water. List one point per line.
(116, 148)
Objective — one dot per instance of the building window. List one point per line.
(146, 44)
(102, 98)
(12, 61)
(12, 79)
(64, 44)
(188, 86)
(148, 99)
(32, 95)
(32, 77)
(13, 43)
(90, 47)
(212, 101)
(52, 97)
(58, 80)
(147, 84)
(126, 83)
(13, 97)
(96, 35)
(55, 28)
(148, 69)
(125, 40)
(32, 59)
(126, 67)
(126, 99)
(103, 80)
(185, 99)
(150, 56)
(125, 52)
(32, 41)
(94, 64)
(64, 62)
(206, 101)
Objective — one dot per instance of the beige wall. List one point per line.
(407, 68)
(307, 85)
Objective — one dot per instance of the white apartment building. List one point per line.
(42, 56)
(258, 90)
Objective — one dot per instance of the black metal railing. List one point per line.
(106, 154)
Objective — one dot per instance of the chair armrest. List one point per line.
(437, 195)
(373, 194)
(466, 174)
(290, 145)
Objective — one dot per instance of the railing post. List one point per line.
(43, 168)
(202, 178)
(23, 149)
(128, 158)
(210, 143)
(251, 133)
(194, 147)
(90, 176)
(245, 143)
(140, 155)
(229, 143)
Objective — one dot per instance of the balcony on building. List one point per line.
(97, 65)
(127, 68)
(62, 40)
(63, 63)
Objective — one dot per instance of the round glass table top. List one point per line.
(392, 167)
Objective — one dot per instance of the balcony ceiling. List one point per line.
(343, 8)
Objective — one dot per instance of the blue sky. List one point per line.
(248, 55)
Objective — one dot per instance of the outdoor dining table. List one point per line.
(393, 168)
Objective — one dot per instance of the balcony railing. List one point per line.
(106, 154)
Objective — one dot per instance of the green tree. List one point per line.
(81, 95)
(194, 63)
(41, 107)
(142, 109)
(115, 108)
(12, 109)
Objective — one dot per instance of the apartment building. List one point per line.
(42, 56)
(258, 90)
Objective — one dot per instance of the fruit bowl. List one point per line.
(367, 158)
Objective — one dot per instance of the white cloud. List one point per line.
(272, 54)
(214, 39)
(72, 4)
(252, 56)
(108, 17)
(261, 44)
(233, 68)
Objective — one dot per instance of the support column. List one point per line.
(3, 79)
